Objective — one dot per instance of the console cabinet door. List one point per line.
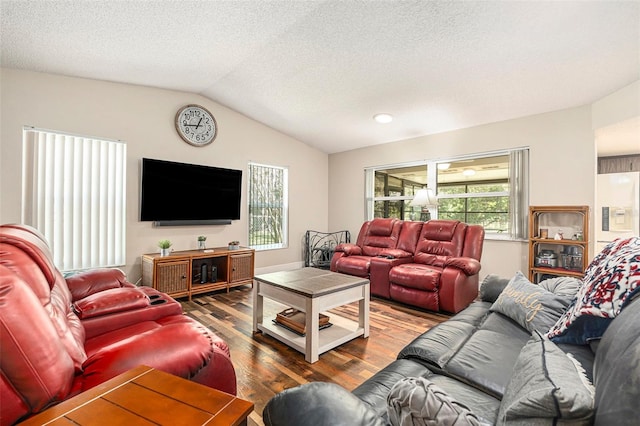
(172, 277)
(241, 268)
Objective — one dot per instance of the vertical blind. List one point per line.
(74, 193)
(268, 206)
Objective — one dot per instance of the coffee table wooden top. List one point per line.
(311, 282)
(145, 396)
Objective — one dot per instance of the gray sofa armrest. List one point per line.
(319, 404)
(491, 287)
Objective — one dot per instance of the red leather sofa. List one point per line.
(60, 337)
(432, 265)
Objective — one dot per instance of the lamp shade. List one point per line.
(424, 197)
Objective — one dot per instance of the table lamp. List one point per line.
(425, 198)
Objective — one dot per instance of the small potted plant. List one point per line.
(234, 245)
(202, 242)
(164, 247)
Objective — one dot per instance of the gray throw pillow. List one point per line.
(530, 305)
(547, 385)
(416, 401)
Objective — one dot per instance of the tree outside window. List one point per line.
(268, 206)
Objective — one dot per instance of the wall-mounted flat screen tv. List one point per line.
(184, 194)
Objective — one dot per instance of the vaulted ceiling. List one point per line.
(319, 70)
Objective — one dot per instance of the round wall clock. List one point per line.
(196, 125)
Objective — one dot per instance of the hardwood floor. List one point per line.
(265, 367)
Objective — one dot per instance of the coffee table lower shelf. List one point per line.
(341, 331)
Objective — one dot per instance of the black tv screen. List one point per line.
(180, 192)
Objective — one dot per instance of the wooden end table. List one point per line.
(312, 291)
(145, 396)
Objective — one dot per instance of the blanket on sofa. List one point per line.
(610, 281)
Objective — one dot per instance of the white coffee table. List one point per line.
(312, 291)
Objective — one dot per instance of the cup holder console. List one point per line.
(158, 301)
(154, 296)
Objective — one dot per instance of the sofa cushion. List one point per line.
(439, 240)
(418, 401)
(611, 279)
(486, 348)
(354, 265)
(415, 275)
(381, 234)
(546, 386)
(439, 344)
(617, 370)
(181, 348)
(532, 306)
(374, 391)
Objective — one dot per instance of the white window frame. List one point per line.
(284, 205)
(518, 193)
(74, 193)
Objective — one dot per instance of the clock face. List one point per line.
(196, 125)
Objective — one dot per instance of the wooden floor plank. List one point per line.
(264, 366)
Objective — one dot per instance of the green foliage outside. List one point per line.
(266, 208)
(491, 212)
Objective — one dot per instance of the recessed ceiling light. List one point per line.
(468, 172)
(443, 166)
(383, 118)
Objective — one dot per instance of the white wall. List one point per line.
(143, 117)
(562, 166)
(327, 192)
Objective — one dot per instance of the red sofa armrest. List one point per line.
(466, 264)
(395, 253)
(110, 301)
(349, 249)
(94, 281)
(159, 306)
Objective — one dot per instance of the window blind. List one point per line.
(74, 192)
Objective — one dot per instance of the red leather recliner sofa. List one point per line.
(60, 337)
(433, 265)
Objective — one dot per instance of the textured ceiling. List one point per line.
(319, 70)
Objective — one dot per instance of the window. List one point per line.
(268, 206)
(490, 190)
(395, 187)
(74, 192)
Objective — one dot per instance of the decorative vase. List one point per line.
(234, 246)
(165, 251)
(202, 245)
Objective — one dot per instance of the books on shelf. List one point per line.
(295, 321)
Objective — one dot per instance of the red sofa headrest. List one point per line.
(381, 227)
(439, 230)
(33, 244)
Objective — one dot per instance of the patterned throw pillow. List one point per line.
(532, 306)
(416, 401)
(612, 279)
